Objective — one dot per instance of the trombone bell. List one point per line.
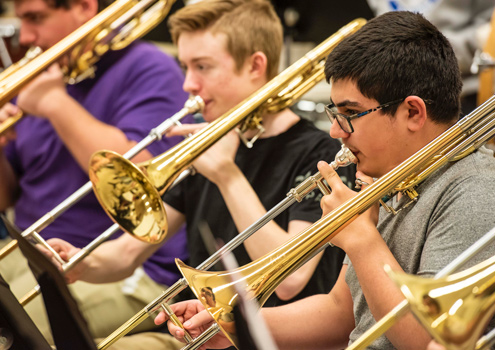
(216, 293)
(128, 198)
(456, 309)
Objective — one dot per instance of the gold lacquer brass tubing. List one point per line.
(8, 123)
(17, 80)
(454, 309)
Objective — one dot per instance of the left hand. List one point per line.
(341, 194)
(214, 163)
(43, 93)
(218, 160)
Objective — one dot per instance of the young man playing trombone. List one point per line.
(45, 158)
(230, 49)
(395, 88)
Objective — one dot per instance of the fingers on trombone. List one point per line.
(7, 133)
(50, 256)
(8, 110)
(62, 248)
(329, 174)
(176, 321)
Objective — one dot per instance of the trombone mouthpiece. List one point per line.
(194, 104)
(343, 158)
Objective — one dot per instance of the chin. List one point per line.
(368, 171)
(209, 118)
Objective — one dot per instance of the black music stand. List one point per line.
(16, 323)
(69, 329)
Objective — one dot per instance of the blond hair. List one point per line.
(250, 26)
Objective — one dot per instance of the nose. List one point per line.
(27, 35)
(336, 131)
(191, 83)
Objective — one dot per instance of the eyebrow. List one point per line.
(346, 103)
(29, 14)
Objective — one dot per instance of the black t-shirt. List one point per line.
(273, 166)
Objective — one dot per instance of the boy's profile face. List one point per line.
(211, 72)
(379, 141)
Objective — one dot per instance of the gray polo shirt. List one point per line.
(455, 208)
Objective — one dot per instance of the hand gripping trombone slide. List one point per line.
(262, 276)
(193, 105)
(343, 158)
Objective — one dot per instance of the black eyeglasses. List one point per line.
(345, 121)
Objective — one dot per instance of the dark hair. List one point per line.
(396, 55)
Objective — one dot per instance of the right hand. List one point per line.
(7, 111)
(195, 320)
(66, 251)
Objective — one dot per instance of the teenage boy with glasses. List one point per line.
(403, 58)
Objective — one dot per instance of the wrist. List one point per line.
(360, 238)
(54, 104)
(227, 174)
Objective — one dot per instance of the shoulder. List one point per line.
(142, 56)
(466, 183)
(477, 167)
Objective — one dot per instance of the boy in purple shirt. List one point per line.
(47, 157)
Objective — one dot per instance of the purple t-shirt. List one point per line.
(135, 89)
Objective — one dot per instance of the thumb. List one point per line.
(362, 180)
(329, 174)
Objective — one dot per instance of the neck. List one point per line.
(278, 123)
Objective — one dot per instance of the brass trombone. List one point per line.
(454, 309)
(114, 28)
(277, 94)
(261, 277)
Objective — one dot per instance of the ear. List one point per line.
(257, 65)
(417, 115)
(84, 10)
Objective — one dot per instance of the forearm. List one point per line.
(316, 322)
(115, 260)
(382, 294)
(8, 183)
(246, 208)
(83, 134)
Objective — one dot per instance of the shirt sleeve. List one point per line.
(452, 228)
